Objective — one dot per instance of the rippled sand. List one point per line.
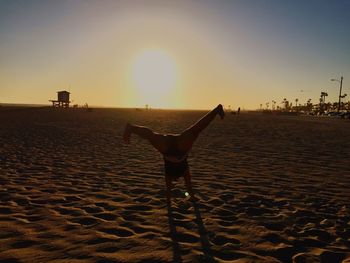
(270, 189)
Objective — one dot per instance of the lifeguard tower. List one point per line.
(62, 100)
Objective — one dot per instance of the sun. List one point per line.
(154, 75)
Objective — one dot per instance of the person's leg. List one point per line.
(188, 183)
(189, 135)
(157, 140)
(169, 186)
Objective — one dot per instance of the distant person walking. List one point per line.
(239, 110)
(175, 147)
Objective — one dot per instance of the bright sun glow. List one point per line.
(154, 75)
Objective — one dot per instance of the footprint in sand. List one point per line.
(106, 216)
(99, 240)
(5, 211)
(229, 255)
(9, 260)
(139, 208)
(139, 229)
(325, 256)
(23, 244)
(274, 238)
(91, 209)
(106, 206)
(222, 240)
(284, 254)
(119, 232)
(85, 220)
(187, 238)
(274, 225)
(69, 211)
(108, 249)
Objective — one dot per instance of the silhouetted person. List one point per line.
(174, 147)
(239, 110)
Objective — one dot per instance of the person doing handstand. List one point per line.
(175, 147)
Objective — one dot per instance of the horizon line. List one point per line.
(10, 104)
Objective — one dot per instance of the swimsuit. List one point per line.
(175, 166)
(175, 161)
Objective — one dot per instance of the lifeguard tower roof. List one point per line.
(63, 96)
(62, 99)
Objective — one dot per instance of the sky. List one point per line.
(174, 54)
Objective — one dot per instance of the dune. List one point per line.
(270, 189)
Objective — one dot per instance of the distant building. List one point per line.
(62, 99)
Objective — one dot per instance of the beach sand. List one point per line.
(270, 189)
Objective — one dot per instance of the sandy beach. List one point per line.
(270, 189)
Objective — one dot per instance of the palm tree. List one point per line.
(343, 103)
(273, 105)
(309, 105)
(286, 104)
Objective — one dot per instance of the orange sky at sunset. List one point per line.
(172, 54)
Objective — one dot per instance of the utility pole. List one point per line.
(341, 85)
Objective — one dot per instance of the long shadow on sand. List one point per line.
(207, 253)
(203, 235)
(174, 236)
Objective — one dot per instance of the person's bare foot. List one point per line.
(220, 111)
(127, 133)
